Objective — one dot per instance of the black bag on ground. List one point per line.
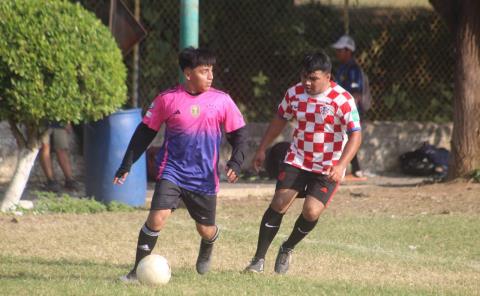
(425, 161)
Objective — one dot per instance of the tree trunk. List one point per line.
(466, 120)
(26, 160)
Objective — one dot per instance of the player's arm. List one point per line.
(238, 140)
(351, 148)
(139, 142)
(274, 129)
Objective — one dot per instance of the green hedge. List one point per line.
(57, 63)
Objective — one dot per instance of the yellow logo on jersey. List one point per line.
(195, 110)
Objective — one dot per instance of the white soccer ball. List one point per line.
(154, 270)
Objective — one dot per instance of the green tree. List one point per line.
(462, 18)
(57, 63)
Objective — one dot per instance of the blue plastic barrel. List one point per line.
(105, 142)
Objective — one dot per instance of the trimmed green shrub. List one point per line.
(58, 62)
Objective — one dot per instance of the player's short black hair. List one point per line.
(193, 57)
(317, 61)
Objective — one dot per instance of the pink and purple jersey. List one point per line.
(322, 124)
(190, 151)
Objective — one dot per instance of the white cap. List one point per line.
(345, 42)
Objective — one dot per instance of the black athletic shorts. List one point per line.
(201, 208)
(306, 183)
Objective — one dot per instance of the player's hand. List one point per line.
(120, 176)
(231, 175)
(258, 160)
(335, 173)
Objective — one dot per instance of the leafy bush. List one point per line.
(49, 202)
(57, 62)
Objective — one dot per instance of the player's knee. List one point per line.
(278, 207)
(311, 213)
(156, 221)
(155, 225)
(207, 231)
(282, 200)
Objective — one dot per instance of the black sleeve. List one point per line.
(139, 142)
(238, 140)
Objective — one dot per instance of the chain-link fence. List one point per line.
(407, 52)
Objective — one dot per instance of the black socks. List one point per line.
(147, 239)
(268, 229)
(300, 230)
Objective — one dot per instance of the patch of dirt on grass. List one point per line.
(392, 196)
(437, 199)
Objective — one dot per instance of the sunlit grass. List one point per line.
(353, 254)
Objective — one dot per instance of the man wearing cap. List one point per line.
(349, 76)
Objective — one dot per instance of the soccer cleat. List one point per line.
(204, 257)
(284, 257)
(256, 265)
(129, 278)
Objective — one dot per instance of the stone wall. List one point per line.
(383, 142)
(8, 158)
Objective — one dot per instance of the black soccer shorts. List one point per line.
(306, 183)
(201, 207)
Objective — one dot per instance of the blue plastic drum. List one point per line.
(104, 146)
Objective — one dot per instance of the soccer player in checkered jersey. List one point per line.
(193, 114)
(326, 137)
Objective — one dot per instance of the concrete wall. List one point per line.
(8, 158)
(383, 142)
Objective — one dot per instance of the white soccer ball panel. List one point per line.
(154, 270)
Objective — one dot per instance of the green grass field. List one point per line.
(349, 253)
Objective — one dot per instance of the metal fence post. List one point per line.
(189, 20)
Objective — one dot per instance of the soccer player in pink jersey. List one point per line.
(326, 137)
(193, 114)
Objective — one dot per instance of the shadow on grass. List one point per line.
(38, 276)
(32, 267)
(62, 261)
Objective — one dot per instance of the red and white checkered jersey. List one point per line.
(322, 124)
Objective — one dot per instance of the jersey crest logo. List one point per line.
(294, 106)
(195, 110)
(325, 110)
